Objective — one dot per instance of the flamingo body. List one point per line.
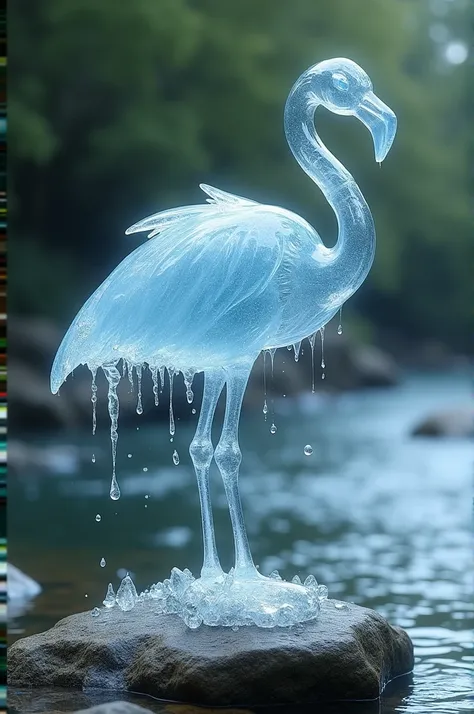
(213, 286)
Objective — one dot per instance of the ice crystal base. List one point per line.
(227, 601)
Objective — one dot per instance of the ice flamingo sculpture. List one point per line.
(216, 285)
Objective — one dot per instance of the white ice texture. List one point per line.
(226, 600)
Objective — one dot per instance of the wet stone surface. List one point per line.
(347, 653)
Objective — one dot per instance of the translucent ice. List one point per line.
(217, 284)
(126, 597)
(226, 600)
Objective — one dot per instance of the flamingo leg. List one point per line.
(228, 457)
(202, 451)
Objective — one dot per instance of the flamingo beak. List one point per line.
(380, 121)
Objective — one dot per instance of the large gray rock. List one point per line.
(348, 653)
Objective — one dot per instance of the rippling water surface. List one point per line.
(383, 519)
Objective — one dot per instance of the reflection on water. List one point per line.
(381, 518)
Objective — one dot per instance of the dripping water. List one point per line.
(130, 374)
(323, 363)
(312, 340)
(272, 364)
(175, 458)
(113, 377)
(265, 405)
(139, 399)
(94, 400)
(156, 388)
(296, 348)
(171, 380)
(188, 383)
(339, 327)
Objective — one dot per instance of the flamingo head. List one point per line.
(343, 87)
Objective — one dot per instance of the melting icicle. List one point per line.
(94, 400)
(272, 363)
(339, 327)
(130, 374)
(175, 458)
(171, 379)
(156, 388)
(103, 563)
(113, 377)
(109, 600)
(297, 347)
(139, 378)
(312, 340)
(188, 382)
(162, 378)
(124, 368)
(323, 363)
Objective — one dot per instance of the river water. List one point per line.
(382, 518)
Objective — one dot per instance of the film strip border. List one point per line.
(3, 363)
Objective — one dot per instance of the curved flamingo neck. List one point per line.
(353, 254)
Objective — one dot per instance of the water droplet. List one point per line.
(114, 490)
(340, 605)
(193, 411)
(273, 429)
(175, 457)
(93, 458)
(147, 496)
(109, 600)
(145, 469)
(265, 408)
(98, 518)
(86, 595)
(308, 450)
(171, 439)
(95, 612)
(103, 563)
(129, 456)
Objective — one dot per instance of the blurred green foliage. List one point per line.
(119, 109)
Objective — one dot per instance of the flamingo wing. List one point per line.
(199, 295)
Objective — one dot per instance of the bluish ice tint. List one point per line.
(220, 282)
